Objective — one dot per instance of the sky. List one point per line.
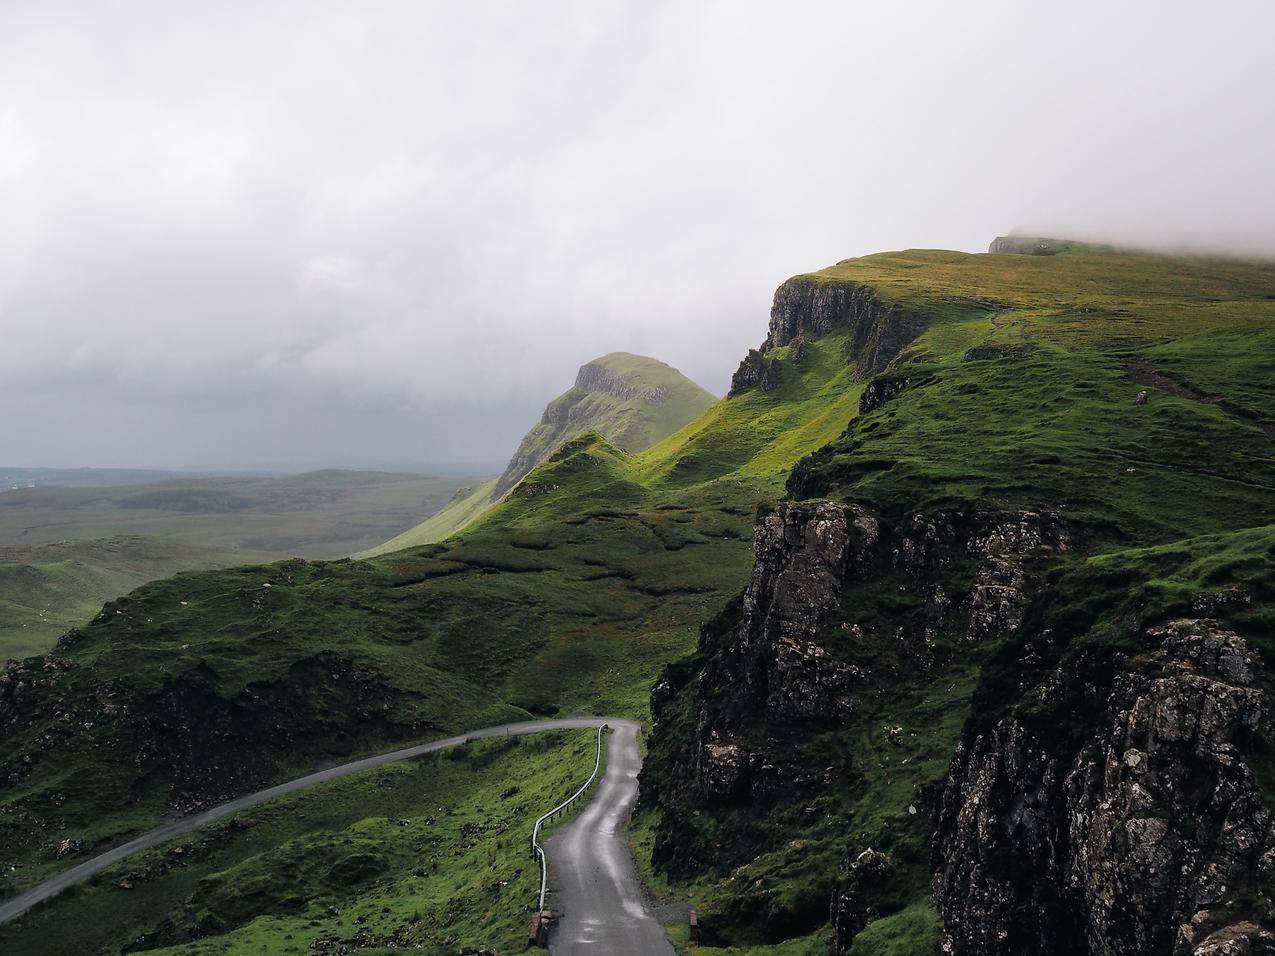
(291, 235)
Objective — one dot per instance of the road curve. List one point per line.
(598, 899)
(15, 907)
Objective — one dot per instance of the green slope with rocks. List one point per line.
(630, 400)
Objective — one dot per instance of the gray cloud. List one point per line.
(298, 232)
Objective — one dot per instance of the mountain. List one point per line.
(630, 400)
(948, 623)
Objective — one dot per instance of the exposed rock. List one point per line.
(722, 769)
(774, 669)
(1026, 246)
(853, 904)
(883, 389)
(1140, 398)
(1144, 840)
(755, 370)
(992, 353)
(808, 308)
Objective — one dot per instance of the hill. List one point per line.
(630, 400)
(944, 539)
(45, 590)
(70, 540)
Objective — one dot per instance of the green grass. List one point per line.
(465, 507)
(911, 931)
(631, 400)
(432, 852)
(45, 590)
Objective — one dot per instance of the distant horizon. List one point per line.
(424, 468)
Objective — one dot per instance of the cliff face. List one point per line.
(1151, 836)
(630, 400)
(845, 614)
(1114, 808)
(808, 308)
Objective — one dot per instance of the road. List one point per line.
(597, 895)
(15, 907)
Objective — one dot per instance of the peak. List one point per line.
(622, 363)
(1038, 246)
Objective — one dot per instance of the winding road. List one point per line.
(598, 895)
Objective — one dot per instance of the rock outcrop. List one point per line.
(1152, 836)
(798, 655)
(808, 308)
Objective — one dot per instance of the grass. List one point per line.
(45, 590)
(631, 400)
(465, 507)
(430, 853)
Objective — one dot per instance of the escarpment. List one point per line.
(808, 307)
(1101, 799)
(844, 616)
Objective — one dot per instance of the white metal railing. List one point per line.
(536, 848)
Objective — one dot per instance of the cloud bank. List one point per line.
(293, 234)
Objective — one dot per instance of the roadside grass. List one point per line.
(431, 852)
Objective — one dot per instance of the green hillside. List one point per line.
(988, 383)
(630, 400)
(45, 590)
(71, 540)
(464, 508)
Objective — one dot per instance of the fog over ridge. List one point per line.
(260, 234)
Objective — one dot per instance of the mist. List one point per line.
(290, 234)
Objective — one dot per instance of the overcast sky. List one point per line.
(246, 234)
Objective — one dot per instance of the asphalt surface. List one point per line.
(82, 871)
(596, 895)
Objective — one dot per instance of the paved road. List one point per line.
(596, 891)
(82, 871)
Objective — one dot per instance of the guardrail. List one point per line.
(536, 849)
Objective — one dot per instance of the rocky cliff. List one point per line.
(808, 307)
(1102, 798)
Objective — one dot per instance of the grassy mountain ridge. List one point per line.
(601, 565)
(631, 400)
